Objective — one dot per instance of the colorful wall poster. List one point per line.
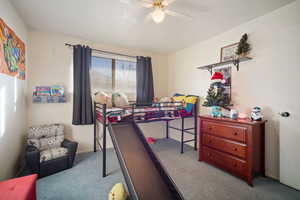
(12, 53)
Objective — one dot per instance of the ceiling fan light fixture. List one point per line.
(158, 15)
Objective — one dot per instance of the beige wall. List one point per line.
(12, 104)
(51, 63)
(269, 80)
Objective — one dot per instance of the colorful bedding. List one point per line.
(158, 111)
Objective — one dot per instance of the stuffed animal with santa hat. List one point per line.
(217, 79)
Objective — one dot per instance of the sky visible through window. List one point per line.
(101, 74)
(124, 76)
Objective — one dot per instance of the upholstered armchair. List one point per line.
(48, 151)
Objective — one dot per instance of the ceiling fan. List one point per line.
(159, 8)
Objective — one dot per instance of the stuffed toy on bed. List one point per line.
(188, 101)
(103, 98)
(116, 99)
(119, 99)
(166, 101)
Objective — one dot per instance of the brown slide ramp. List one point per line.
(145, 177)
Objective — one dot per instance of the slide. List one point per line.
(145, 176)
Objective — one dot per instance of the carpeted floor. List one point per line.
(196, 180)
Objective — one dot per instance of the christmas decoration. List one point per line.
(243, 47)
(216, 111)
(216, 95)
(217, 77)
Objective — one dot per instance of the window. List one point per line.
(114, 74)
(101, 74)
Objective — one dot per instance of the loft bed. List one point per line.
(157, 111)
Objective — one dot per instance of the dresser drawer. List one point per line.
(225, 161)
(234, 148)
(232, 132)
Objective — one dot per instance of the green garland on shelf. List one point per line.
(243, 46)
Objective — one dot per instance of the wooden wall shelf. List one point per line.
(235, 62)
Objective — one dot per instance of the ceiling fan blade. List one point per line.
(168, 2)
(146, 5)
(142, 3)
(147, 1)
(177, 14)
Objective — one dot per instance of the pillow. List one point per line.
(166, 99)
(191, 99)
(103, 98)
(119, 100)
(118, 192)
(179, 98)
(177, 94)
(189, 107)
(43, 131)
(190, 102)
(46, 143)
(53, 153)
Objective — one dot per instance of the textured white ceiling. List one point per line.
(115, 23)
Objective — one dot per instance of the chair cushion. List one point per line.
(46, 136)
(43, 131)
(46, 143)
(53, 153)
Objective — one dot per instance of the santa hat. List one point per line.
(218, 76)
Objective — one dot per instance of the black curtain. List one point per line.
(145, 91)
(82, 100)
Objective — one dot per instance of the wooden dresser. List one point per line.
(237, 146)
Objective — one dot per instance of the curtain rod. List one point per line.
(107, 52)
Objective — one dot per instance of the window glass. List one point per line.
(101, 74)
(111, 75)
(126, 78)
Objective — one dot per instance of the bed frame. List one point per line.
(104, 112)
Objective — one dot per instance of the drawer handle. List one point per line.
(235, 149)
(235, 133)
(235, 165)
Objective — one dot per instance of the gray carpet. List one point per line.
(196, 180)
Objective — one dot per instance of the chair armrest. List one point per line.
(70, 145)
(72, 148)
(32, 157)
(31, 148)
